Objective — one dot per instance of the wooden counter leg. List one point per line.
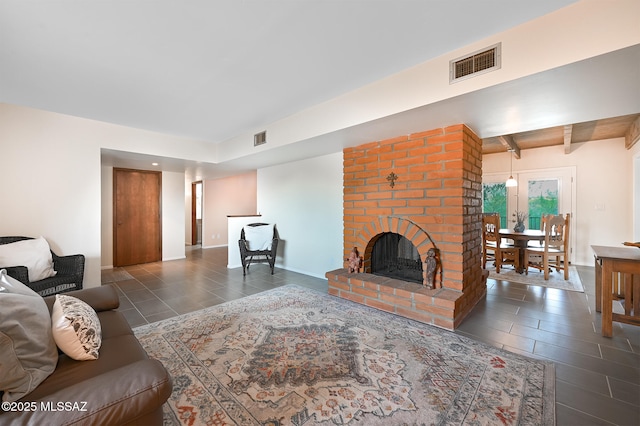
(598, 285)
(628, 293)
(635, 288)
(607, 299)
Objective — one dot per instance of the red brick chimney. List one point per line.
(426, 187)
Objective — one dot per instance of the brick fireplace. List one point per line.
(425, 187)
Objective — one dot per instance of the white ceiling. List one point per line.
(214, 69)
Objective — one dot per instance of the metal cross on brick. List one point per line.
(392, 179)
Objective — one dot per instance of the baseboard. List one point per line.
(173, 258)
(279, 265)
(218, 246)
(302, 272)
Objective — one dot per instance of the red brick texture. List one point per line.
(435, 202)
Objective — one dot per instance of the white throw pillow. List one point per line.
(28, 354)
(35, 254)
(76, 328)
(259, 237)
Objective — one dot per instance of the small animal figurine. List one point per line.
(354, 260)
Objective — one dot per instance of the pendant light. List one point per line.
(511, 182)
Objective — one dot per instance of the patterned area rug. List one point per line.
(536, 277)
(294, 356)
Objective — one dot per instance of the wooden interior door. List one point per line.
(137, 217)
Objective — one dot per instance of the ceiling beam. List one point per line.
(511, 145)
(568, 130)
(633, 134)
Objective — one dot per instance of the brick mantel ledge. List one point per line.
(410, 300)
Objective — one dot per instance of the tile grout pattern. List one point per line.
(597, 378)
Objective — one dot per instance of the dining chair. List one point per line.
(555, 249)
(493, 248)
(538, 243)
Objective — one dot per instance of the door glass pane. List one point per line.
(543, 199)
(494, 199)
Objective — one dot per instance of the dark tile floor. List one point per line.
(597, 378)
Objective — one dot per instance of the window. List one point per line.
(542, 199)
(494, 199)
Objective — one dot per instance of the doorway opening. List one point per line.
(196, 213)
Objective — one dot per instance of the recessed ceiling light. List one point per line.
(154, 164)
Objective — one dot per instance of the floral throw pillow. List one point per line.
(76, 328)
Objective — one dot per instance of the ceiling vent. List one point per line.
(479, 62)
(260, 138)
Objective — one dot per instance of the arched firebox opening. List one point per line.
(394, 256)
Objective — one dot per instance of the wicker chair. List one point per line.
(69, 272)
(248, 256)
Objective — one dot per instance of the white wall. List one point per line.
(53, 182)
(304, 199)
(603, 177)
(106, 223)
(187, 209)
(173, 221)
(50, 183)
(234, 195)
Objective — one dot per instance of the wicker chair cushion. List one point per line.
(34, 253)
(27, 349)
(259, 237)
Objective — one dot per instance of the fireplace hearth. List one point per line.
(394, 256)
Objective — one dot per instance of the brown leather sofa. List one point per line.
(122, 387)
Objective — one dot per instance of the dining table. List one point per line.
(521, 240)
